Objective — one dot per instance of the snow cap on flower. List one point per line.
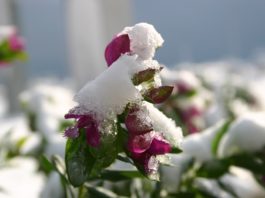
(141, 39)
(247, 134)
(113, 89)
(144, 39)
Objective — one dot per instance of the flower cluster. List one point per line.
(11, 45)
(189, 100)
(116, 100)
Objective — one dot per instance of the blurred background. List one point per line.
(65, 41)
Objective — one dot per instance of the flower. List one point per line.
(86, 122)
(118, 46)
(144, 144)
(16, 43)
(141, 39)
(145, 148)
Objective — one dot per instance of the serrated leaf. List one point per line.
(158, 95)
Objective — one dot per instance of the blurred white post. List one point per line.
(90, 26)
(13, 76)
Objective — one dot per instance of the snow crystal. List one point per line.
(165, 125)
(144, 40)
(247, 133)
(112, 90)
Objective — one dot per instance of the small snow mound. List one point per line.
(247, 133)
(112, 90)
(144, 39)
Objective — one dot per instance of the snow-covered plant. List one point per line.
(224, 158)
(11, 46)
(189, 101)
(115, 115)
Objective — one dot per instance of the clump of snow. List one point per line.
(212, 187)
(165, 125)
(199, 145)
(21, 179)
(112, 90)
(247, 133)
(49, 102)
(243, 183)
(53, 187)
(171, 175)
(56, 146)
(144, 39)
(180, 77)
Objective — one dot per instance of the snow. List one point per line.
(53, 187)
(247, 133)
(243, 183)
(112, 90)
(171, 175)
(49, 102)
(180, 76)
(144, 40)
(199, 145)
(20, 179)
(212, 187)
(164, 125)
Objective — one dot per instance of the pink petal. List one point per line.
(139, 143)
(72, 132)
(137, 123)
(92, 135)
(159, 147)
(84, 121)
(16, 43)
(118, 46)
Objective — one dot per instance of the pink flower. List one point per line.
(3, 64)
(118, 46)
(146, 158)
(86, 122)
(16, 43)
(136, 123)
(183, 88)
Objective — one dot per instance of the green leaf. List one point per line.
(175, 150)
(84, 162)
(213, 169)
(100, 192)
(158, 95)
(78, 160)
(143, 76)
(219, 135)
(45, 164)
(118, 175)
